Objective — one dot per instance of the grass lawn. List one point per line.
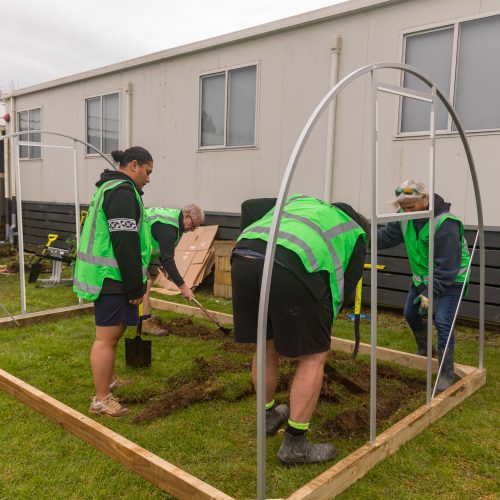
(457, 457)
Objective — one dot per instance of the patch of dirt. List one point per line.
(345, 381)
(200, 386)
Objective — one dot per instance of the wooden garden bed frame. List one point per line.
(183, 485)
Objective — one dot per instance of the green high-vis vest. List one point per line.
(418, 248)
(168, 216)
(320, 234)
(96, 259)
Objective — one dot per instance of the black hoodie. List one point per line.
(447, 249)
(123, 213)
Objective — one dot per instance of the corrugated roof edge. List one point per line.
(318, 15)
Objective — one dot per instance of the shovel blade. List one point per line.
(35, 270)
(137, 352)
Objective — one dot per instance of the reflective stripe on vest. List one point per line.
(88, 242)
(169, 216)
(413, 242)
(325, 234)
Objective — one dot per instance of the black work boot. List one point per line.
(447, 377)
(298, 450)
(275, 418)
(421, 339)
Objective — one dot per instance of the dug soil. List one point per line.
(343, 409)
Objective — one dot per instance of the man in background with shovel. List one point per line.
(111, 266)
(319, 260)
(167, 226)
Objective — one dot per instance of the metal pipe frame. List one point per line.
(271, 247)
(20, 233)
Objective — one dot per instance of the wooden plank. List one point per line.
(48, 216)
(62, 208)
(50, 226)
(401, 358)
(34, 231)
(468, 309)
(164, 305)
(223, 219)
(163, 474)
(492, 275)
(402, 283)
(346, 472)
(226, 233)
(491, 237)
(492, 258)
(48, 315)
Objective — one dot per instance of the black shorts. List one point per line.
(298, 322)
(114, 309)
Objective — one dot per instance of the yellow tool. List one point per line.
(83, 214)
(36, 267)
(357, 310)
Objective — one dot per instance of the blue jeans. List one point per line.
(445, 307)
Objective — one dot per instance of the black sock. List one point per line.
(294, 431)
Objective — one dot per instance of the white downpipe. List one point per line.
(128, 115)
(9, 146)
(332, 110)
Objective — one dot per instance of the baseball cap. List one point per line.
(409, 189)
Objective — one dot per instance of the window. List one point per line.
(29, 120)
(464, 61)
(103, 122)
(228, 108)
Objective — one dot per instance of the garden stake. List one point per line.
(225, 331)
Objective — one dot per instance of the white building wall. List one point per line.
(293, 76)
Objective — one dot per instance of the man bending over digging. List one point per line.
(167, 226)
(319, 260)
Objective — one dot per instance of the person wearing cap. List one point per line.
(167, 226)
(451, 259)
(319, 260)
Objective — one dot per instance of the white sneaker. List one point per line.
(109, 406)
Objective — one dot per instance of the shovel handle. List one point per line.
(51, 238)
(205, 311)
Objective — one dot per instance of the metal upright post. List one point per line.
(77, 200)
(373, 285)
(430, 277)
(20, 235)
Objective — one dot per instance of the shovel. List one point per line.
(224, 330)
(138, 350)
(36, 267)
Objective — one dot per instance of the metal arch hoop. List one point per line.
(60, 134)
(19, 196)
(271, 247)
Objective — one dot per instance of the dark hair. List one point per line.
(136, 153)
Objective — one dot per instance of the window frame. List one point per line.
(454, 24)
(18, 125)
(225, 71)
(92, 153)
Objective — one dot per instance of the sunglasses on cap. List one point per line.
(406, 190)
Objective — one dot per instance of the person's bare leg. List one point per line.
(272, 370)
(102, 357)
(306, 386)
